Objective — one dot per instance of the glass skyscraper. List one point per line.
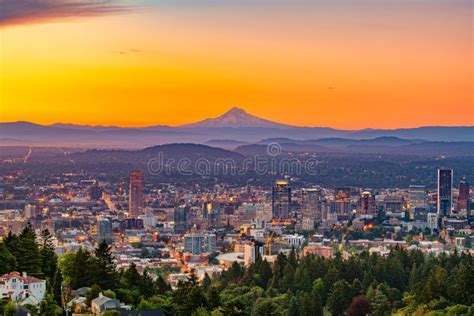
(281, 200)
(136, 199)
(445, 192)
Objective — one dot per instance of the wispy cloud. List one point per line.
(34, 11)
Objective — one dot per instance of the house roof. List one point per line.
(27, 280)
(108, 302)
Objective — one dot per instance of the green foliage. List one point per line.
(102, 268)
(26, 251)
(10, 309)
(73, 266)
(188, 298)
(109, 294)
(268, 306)
(157, 301)
(379, 304)
(57, 287)
(402, 283)
(293, 309)
(213, 298)
(93, 293)
(8, 261)
(48, 307)
(65, 265)
(201, 311)
(110, 313)
(48, 256)
(340, 297)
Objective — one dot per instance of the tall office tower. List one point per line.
(366, 204)
(341, 206)
(463, 197)
(181, 219)
(135, 195)
(281, 200)
(417, 197)
(311, 203)
(104, 230)
(445, 192)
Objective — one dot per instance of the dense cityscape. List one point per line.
(130, 247)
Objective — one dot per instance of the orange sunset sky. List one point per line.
(344, 64)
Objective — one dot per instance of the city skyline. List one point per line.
(338, 64)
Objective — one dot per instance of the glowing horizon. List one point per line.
(336, 64)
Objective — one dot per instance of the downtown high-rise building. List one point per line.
(135, 195)
(463, 196)
(366, 204)
(445, 192)
(417, 197)
(181, 219)
(281, 200)
(104, 230)
(311, 203)
(340, 207)
(198, 244)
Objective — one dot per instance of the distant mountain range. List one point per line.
(380, 145)
(233, 129)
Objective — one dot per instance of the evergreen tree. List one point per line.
(28, 254)
(7, 260)
(161, 287)
(357, 288)
(293, 309)
(132, 276)
(57, 287)
(379, 304)
(235, 273)
(146, 285)
(317, 295)
(48, 256)
(104, 272)
(278, 270)
(206, 282)
(340, 297)
(306, 305)
(81, 262)
(265, 271)
(435, 285)
(287, 282)
(12, 242)
(213, 298)
(187, 299)
(462, 288)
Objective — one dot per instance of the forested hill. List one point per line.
(402, 283)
